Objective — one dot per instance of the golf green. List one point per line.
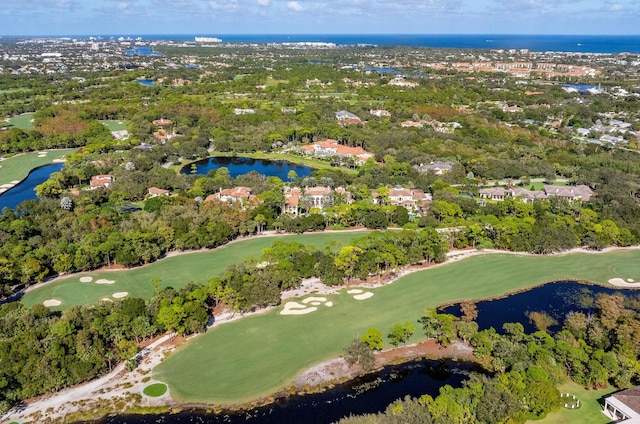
(16, 168)
(175, 271)
(155, 390)
(259, 355)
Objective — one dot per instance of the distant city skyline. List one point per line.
(88, 17)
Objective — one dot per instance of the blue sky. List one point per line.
(72, 17)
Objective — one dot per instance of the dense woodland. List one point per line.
(71, 229)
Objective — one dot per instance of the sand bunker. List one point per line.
(354, 291)
(106, 299)
(120, 295)
(363, 296)
(86, 279)
(103, 281)
(620, 282)
(295, 308)
(314, 299)
(51, 302)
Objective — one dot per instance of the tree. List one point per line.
(373, 338)
(400, 333)
(66, 203)
(358, 352)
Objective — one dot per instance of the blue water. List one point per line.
(242, 165)
(559, 43)
(142, 51)
(582, 88)
(146, 82)
(26, 189)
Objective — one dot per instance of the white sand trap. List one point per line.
(329, 304)
(42, 156)
(14, 182)
(314, 299)
(2, 190)
(86, 279)
(363, 296)
(6, 185)
(620, 282)
(106, 299)
(295, 308)
(103, 281)
(630, 280)
(51, 302)
(354, 291)
(120, 295)
(316, 303)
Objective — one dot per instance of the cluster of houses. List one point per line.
(299, 200)
(570, 193)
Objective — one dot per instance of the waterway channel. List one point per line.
(240, 165)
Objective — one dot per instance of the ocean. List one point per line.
(612, 44)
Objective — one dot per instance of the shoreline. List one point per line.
(121, 386)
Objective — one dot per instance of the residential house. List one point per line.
(494, 193)
(231, 195)
(414, 124)
(344, 115)
(571, 193)
(413, 199)
(331, 147)
(437, 167)
(528, 196)
(162, 122)
(624, 406)
(380, 113)
(101, 181)
(238, 111)
(155, 192)
(401, 82)
(319, 197)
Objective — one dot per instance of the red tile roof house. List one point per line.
(101, 181)
(413, 199)
(624, 406)
(315, 197)
(155, 192)
(331, 147)
(232, 195)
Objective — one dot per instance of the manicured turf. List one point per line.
(155, 390)
(114, 125)
(259, 355)
(18, 167)
(590, 411)
(175, 272)
(23, 121)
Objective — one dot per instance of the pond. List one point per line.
(374, 392)
(25, 190)
(240, 165)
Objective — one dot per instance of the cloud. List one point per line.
(295, 6)
(263, 2)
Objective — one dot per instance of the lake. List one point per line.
(372, 393)
(241, 165)
(25, 190)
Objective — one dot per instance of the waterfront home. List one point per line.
(331, 147)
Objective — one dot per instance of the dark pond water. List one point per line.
(242, 165)
(555, 299)
(26, 189)
(365, 395)
(413, 378)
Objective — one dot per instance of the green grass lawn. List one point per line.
(590, 411)
(114, 125)
(17, 167)
(23, 121)
(258, 355)
(176, 271)
(540, 185)
(155, 390)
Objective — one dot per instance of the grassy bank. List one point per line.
(258, 355)
(16, 168)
